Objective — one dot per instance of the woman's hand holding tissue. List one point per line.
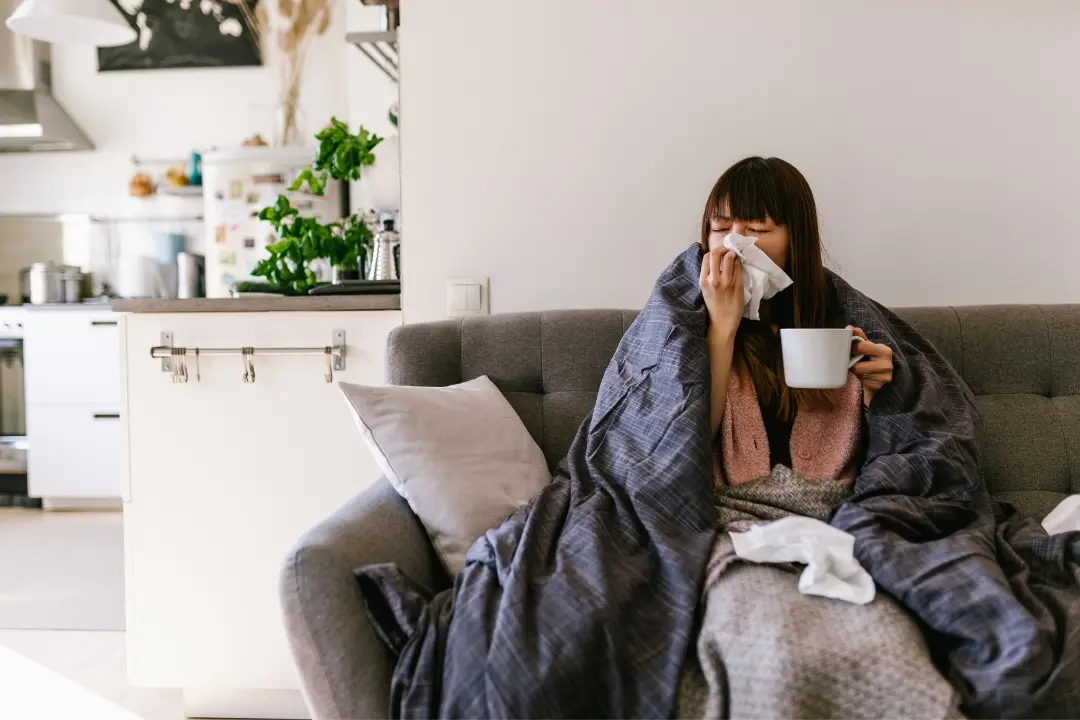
(722, 286)
(876, 371)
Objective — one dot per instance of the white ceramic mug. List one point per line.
(817, 359)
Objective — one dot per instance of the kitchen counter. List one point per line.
(261, 304)
(99, 306)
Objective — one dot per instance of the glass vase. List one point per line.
(289, 130)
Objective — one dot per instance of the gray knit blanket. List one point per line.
(766, 651)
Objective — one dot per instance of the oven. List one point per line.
(13, 443)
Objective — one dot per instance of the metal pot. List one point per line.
(49, 283)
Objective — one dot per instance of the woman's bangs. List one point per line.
(748, 192)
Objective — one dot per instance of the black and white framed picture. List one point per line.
(186, 34)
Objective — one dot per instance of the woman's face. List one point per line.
(773, 239)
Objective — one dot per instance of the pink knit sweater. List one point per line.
(824, 443)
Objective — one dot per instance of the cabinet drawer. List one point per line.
(72, 357)
(74, 451)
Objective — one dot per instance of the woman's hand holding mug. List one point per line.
(876, 371)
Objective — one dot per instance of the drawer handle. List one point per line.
(106, 416)
(100, 323)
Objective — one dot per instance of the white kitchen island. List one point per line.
(222, 476)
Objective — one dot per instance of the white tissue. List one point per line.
(761, 277)
(829, 554)
(1064, 518)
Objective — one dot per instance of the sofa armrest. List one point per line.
(344, 668)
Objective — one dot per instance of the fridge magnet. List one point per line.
(227, 280)
(219, 234)
(252, 198)
(227, 257)
(219, 195)
(249, 242)
(236, 189)
(234, 227)
(268, 179)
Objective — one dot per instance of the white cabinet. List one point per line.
(223, 476)
(72, 361)
(72, 357)
(74, 452)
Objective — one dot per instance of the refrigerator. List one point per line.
(237, 184)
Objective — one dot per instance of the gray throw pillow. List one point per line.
(459, 455)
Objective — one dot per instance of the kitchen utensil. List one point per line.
(72, 281)
(167, 248)
(52, 283)
(247, 354)
(190, 276)
(383, 265)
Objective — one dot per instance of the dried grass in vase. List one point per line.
(286, 29)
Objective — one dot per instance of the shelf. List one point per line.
(380, 48)
(146, 219)
(193, 191)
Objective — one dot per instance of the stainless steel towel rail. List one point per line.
(174, 358)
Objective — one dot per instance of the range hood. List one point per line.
(30, 118)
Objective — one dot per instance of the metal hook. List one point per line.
(249, 362)
(183, 365)
(175, 353)
(329, 364)
(198, 377)
(243, 359)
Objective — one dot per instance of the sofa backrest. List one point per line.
(1022, 363)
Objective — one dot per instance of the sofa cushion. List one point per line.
(459, 455)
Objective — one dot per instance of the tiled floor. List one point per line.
(62, 673)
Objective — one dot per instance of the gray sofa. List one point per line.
(1023, 363)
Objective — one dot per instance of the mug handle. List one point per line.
(857, 358)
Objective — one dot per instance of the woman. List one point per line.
(769, 199)
(765, 649)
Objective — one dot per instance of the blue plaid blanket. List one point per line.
(583, 604)
(999, 599)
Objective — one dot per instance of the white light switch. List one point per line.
(461, 298)
(472, 298)
(467, 296)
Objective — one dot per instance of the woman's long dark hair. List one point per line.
(751, 190)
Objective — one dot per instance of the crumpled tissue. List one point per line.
(761, 277)
(1064, 518)
(829, 554)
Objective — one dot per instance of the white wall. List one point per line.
(565, 148)
(168, 113)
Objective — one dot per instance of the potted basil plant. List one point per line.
(345, 244)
